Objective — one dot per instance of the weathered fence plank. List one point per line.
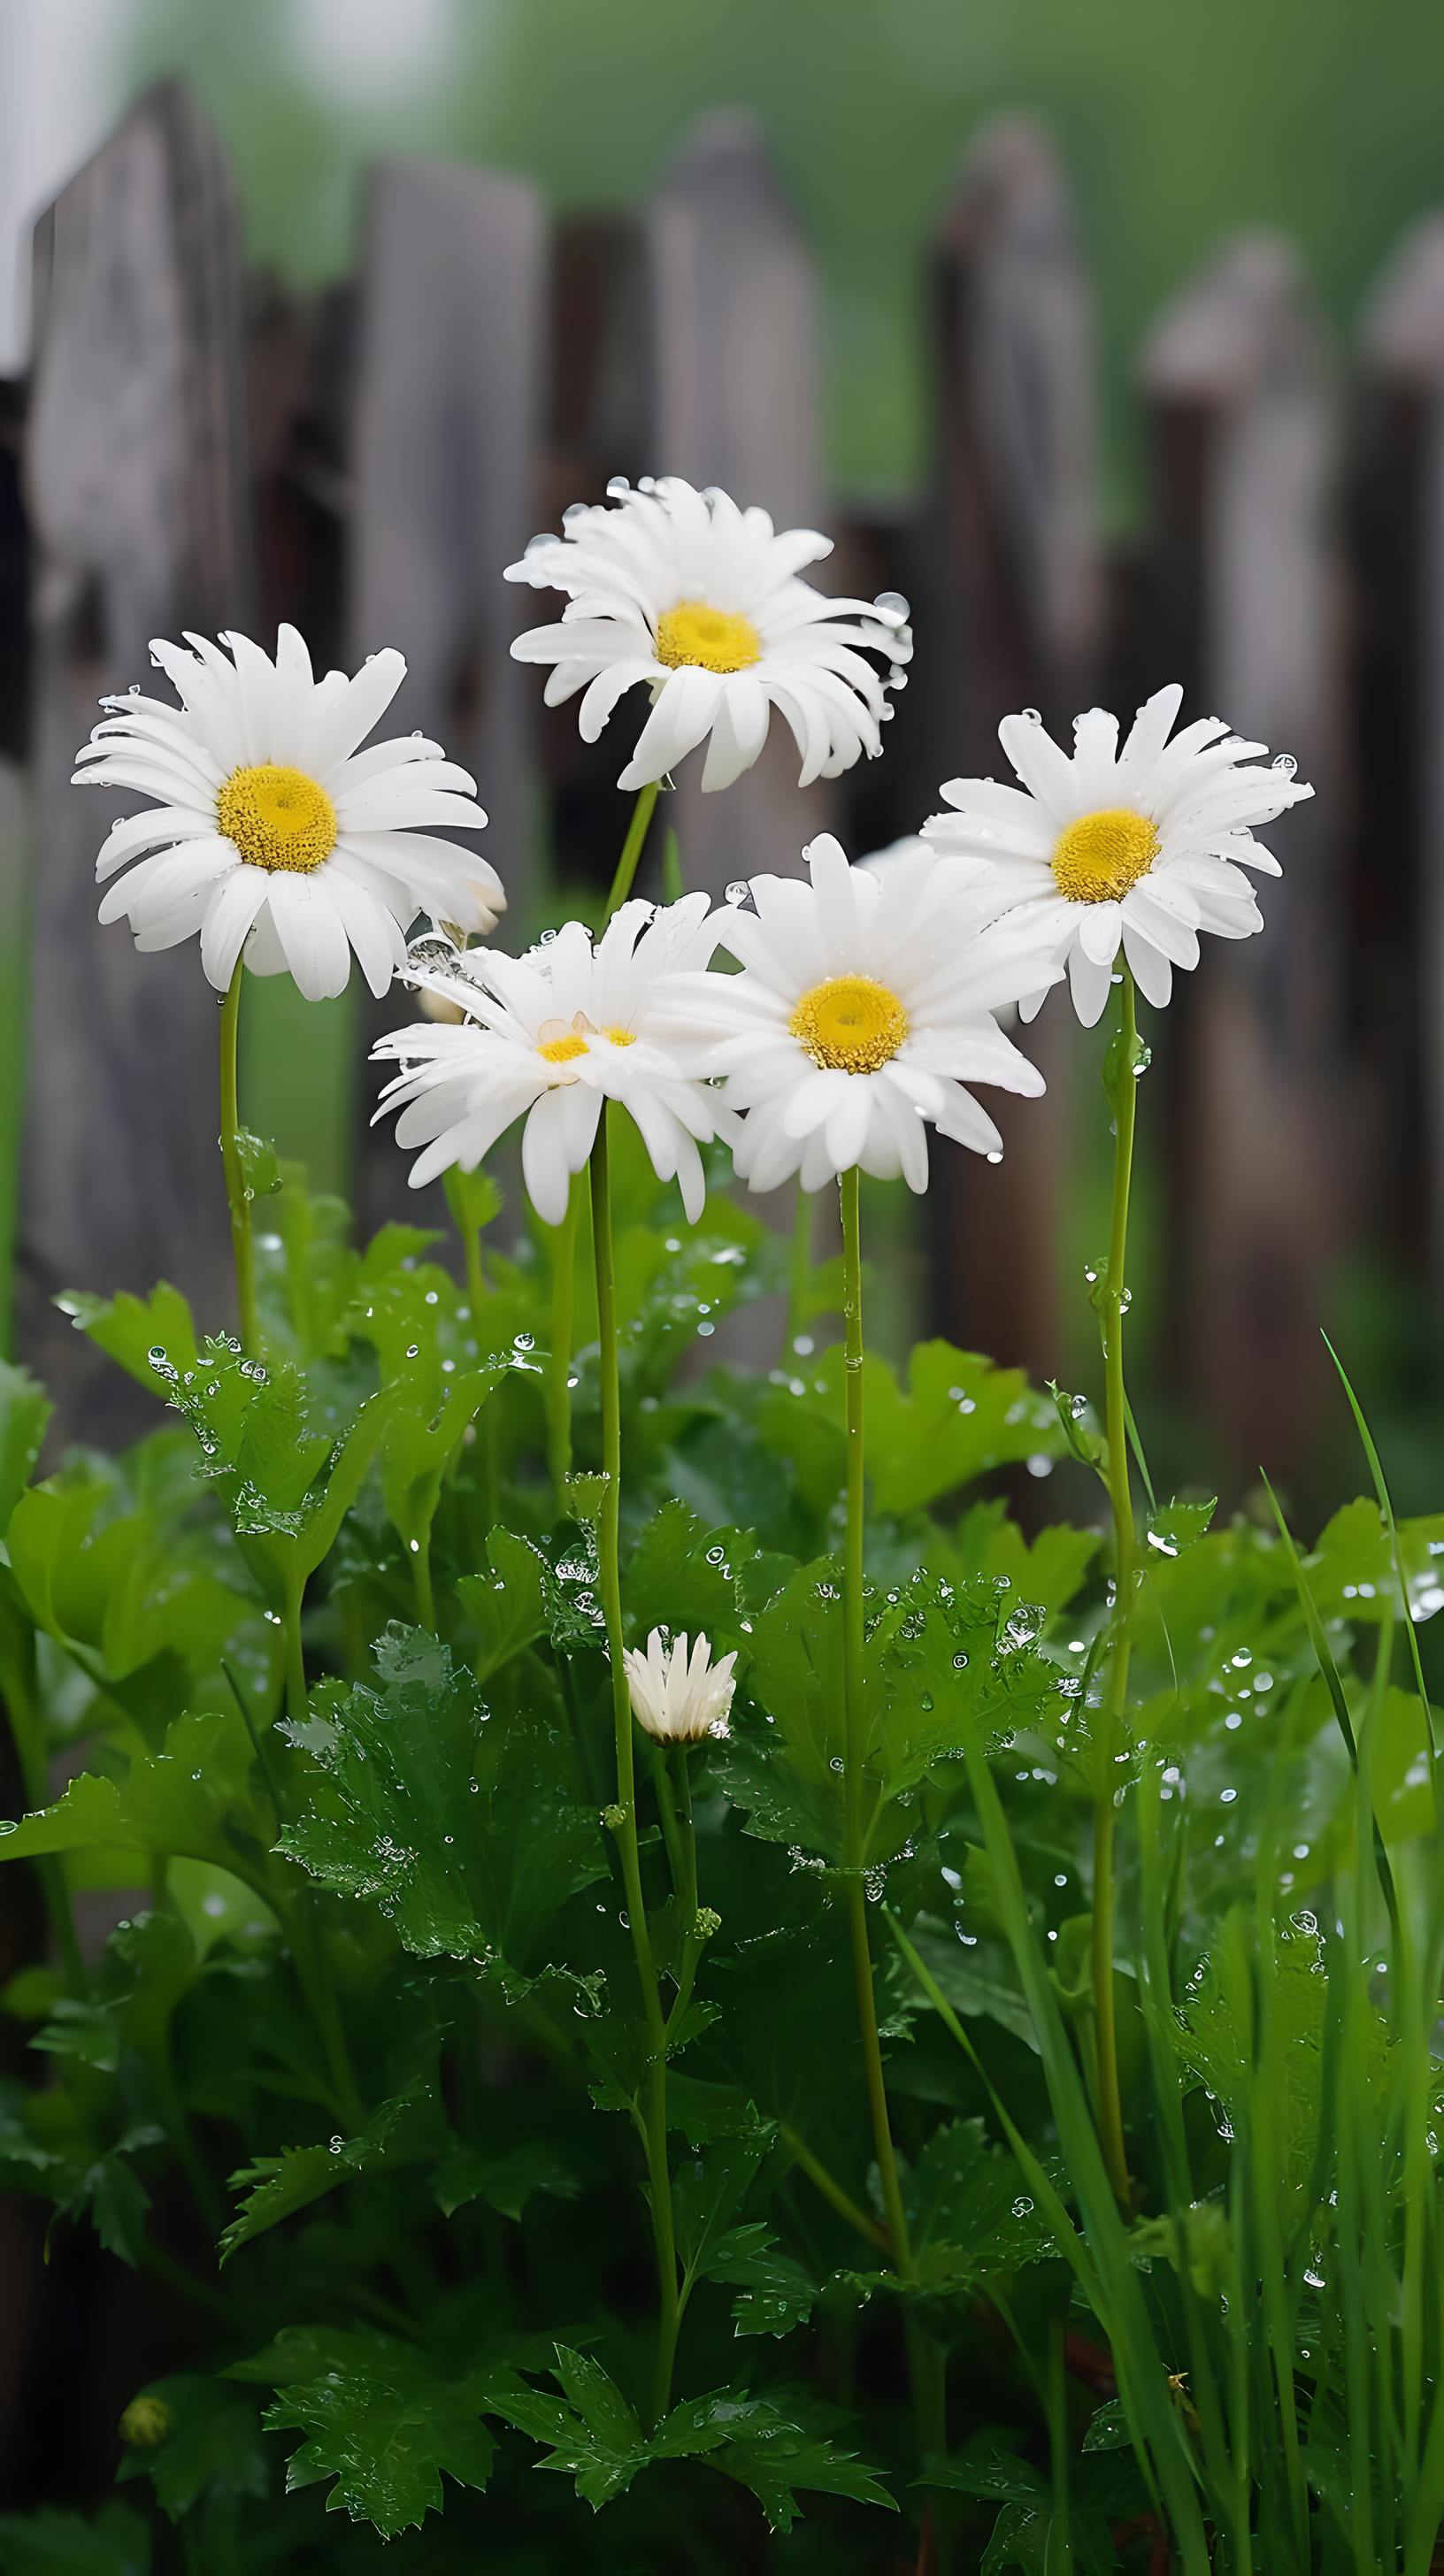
(445, 437)
(1007, 603)
(1238, 375)
(135, 480)
(1396, 889)
(735, 402)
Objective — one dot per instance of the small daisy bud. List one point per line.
(614, 1818)
(707, 1924)
(675, 1701)
(147, 2422)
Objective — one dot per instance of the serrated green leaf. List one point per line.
(465, 1831)
(1176, 1526)
(182, 1800)
(506, 2182)
(25, 1410)
(959, 1418)
(410, 2128)
(506, 1607)
(387, 2421)
(683, 1577)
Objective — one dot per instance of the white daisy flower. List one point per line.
(275, 834)
(1135, 848)
(678, 1702)
(864, 1005)
(551, 1036)
(702, 601)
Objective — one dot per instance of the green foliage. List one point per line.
(322, 1666)
(463, 1831)
(385, 2421)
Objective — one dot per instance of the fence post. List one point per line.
(598, 426)
(135, 481)
(735, 403)
(1237, 374)
(445, 437)
(1007, 609)
(1396, 959)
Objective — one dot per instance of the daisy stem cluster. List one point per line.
(242, 1246)
(561, 1243)
(1121, 1076)
(632, 846)
(855, 1752)
(653, 2123)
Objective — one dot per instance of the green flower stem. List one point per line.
(832, 2190)
(632, 847)
(1121, 1083)
(242, 1247)
(653, 2123)
(470, 1242)
(667, 1811)
(799, 1274)
(307, 1945)
(680, 1763)
(856, 1726)
(562, 1248)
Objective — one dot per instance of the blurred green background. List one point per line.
(1177, 124)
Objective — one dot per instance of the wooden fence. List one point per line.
(195, 448)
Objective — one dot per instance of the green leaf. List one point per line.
(436, 1378)
(1049, 1570)
(464, 1830)
(474, 1199)
(780, 2458)
(51, 2543)
(959, 1418)
(25, 1410)
(969, 2212)
(386, 2421)
(596, 2440)
(1176, 1526)
(507, 1607)
(182, 1800)
(938, 1657)
(410, 2128)
(259, 1173)
(775, 2293)
(505, 2183)
(682, 1577)
(131, 1329)
(214, 2452)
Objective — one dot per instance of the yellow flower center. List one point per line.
(621, 1037)
(718, 639)
(561, 1050)
(1098, 858)
(278, 818)
(850, 1024)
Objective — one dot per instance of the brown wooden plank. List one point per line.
(1238, 374)
(734, 337)
(445, 437)
(135, 481)
(1007, 603)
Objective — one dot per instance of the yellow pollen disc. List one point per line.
(561, 1050)
(850, 1024)
(1098, 858)
(278, 818)
(621, 1037)
(716, 639)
